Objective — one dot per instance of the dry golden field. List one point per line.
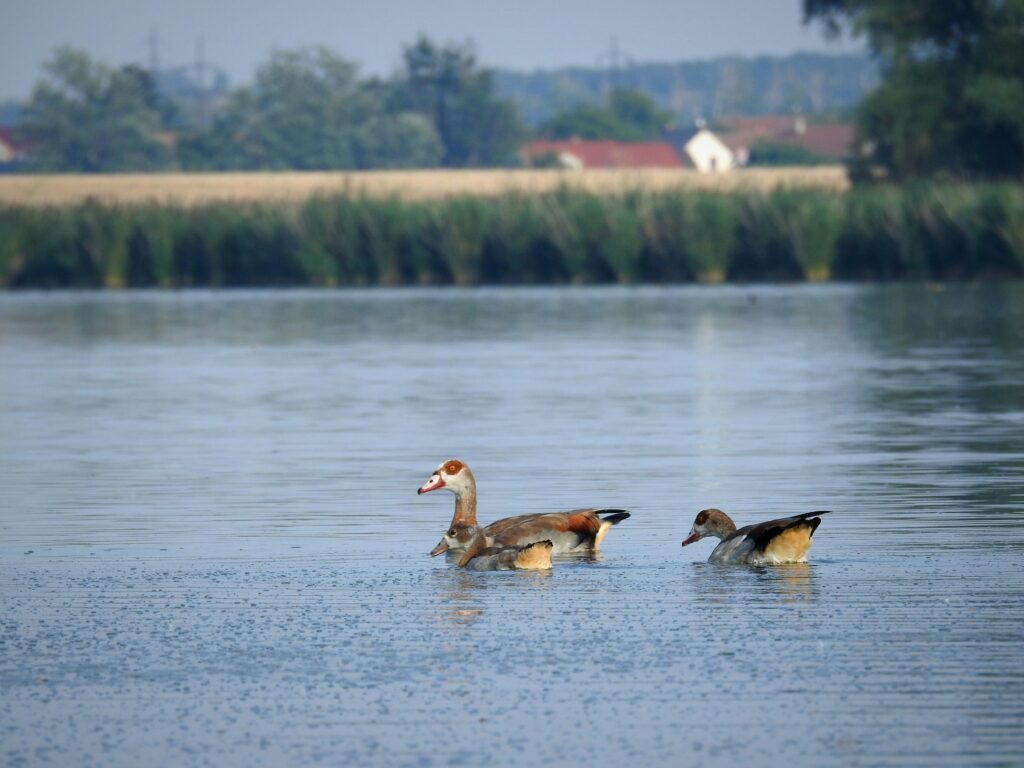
(199, 188)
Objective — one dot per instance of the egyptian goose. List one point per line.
(577, 531)
(785, 540)
(477, 556)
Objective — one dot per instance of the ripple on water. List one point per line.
(212, 551)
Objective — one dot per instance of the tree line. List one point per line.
(307, 109)
(950, 103)
(810, 83)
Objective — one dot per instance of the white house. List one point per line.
(11, 152)
(706, 152)
(7, 153)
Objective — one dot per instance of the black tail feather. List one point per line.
(813, 518)
(613, 516)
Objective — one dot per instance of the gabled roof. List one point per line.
(608, 154)
(678, 137)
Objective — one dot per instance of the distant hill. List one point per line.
(802, 82)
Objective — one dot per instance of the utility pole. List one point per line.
(200, 68)
(614, 59)
(153, 41)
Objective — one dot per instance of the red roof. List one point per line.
(829, 139)
(833, 140)
(608, 154)
(17, 148)
(761, 125)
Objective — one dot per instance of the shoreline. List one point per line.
(192, 189)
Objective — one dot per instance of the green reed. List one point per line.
(934, 232)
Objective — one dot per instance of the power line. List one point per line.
(153, 41)
(200, 68)
(616, 60)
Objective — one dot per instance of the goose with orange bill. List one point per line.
(579, 531)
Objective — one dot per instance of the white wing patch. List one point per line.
(736, 550)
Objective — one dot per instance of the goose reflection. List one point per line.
(793, 582)
(462, 595)
(790, 583)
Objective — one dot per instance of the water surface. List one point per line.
(211, 549)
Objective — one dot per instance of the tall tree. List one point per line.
(952, 95)
(307, 111)
(86, 116)
(629, 115)
(168, 110)
(446, 84)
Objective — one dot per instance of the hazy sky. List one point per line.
(520, 34)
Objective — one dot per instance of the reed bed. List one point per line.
(562, 236)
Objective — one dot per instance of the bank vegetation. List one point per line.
(563, 235)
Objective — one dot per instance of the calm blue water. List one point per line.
(212, 552)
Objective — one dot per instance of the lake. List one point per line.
(212, 551)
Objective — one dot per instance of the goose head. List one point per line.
(710, 522)
(453, 476)
(461, 536)
(465, 536)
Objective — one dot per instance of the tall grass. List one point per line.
(871, 241)
(564, 235)
(456, 231)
